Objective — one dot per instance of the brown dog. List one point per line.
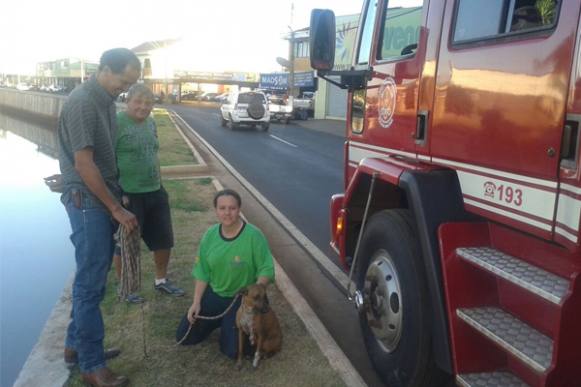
(257, 320)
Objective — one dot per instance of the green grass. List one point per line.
(146, 333)
(172, 148)
(183, 196)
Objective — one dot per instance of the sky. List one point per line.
(222, 35)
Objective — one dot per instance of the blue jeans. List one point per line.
(92, 236)
(214, 305)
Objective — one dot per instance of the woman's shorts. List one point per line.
(154, 217)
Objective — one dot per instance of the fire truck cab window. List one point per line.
(401, 28)
(367, 33)
(484, 19)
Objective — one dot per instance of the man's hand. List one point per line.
(125, 218)
(55, 183)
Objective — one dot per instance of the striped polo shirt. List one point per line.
(88, 119)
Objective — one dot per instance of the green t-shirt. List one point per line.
(228, 265)
(136, 148)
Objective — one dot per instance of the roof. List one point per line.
(153, 45)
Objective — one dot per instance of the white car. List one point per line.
(245, 108)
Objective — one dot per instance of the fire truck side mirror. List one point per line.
(322, 39)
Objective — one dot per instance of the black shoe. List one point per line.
(72, 357)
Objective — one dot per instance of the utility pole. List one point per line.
(291, 58)
(82, 70)
(291, 55)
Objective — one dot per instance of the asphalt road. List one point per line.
(297, 169)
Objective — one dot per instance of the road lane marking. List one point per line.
(281, 140)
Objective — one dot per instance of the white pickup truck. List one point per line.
(283, 109)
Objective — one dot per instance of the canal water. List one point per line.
(36, 256)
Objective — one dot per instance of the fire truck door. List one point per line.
(500, 103)
(395, 52)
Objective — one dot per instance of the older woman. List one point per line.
(232, 254)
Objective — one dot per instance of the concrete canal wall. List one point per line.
(38, 104)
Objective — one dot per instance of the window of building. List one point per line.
(486, 19)
(401, 30)
(302, 49)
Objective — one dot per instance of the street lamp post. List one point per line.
(291, 57)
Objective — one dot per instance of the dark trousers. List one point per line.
(214, 305)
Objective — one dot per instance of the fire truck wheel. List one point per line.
(394, 313)
(223, 122)
(265, 126)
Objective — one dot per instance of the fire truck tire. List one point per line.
(265, 126)
(395, 318)
(223, 122)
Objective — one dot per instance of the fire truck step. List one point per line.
(490, 379)
(513, 335)
(534, 279)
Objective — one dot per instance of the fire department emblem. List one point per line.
(489, 189)
(387, 95)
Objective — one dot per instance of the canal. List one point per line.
(36, 256)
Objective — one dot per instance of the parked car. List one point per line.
(23, 87)
(245, 108)
(221, 98)
(208, 96)
(56, 89)
(191, 95)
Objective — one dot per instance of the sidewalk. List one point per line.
(335, 127)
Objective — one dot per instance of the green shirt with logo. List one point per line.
(136, 148)
(228, 265)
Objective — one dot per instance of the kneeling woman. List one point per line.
(232, 254)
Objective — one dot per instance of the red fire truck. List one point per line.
(461, 212)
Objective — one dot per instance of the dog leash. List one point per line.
(208, 318)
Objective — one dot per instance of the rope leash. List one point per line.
(129, 242)
(208, 318)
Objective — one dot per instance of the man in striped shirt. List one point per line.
(86, 135)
